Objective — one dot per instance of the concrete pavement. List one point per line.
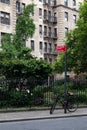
(39, 114)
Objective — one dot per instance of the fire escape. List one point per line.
(50, 29)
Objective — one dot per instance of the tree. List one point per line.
(81, 36)
(16, 60)
(58, 65)
(77, 44)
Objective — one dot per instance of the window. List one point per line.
(45, 14)
(74, 2)
(5, 1)
(5, 18)
(55, 17)
(23, 6)
(49, 2)
(74, 18)
(45, 46)
(2, 35)
(40, 46)
(18, 6)
(45, 30)
(49, 31)
(55, 14)
(55, 32)
(66, 31)
(79, 4)
(50, 47)
(40, 13)
(66, 16)
(66, 2)
(40, 0)
(54, 2)
(44, 1)
(49, 15)
(32, 45)
(45, 58)
(55, 45)
(50, 60)
(40, 29)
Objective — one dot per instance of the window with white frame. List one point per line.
(49, 15)
(66, 2)
(74, 18)
(2, 35)
(55, 2)
(66, 31)
(40, 29)
(45, 47)
(23, 6)
(50, 48)
(55, 32)
(5, 1)
(49, 31)
(45, 14)
(40, 46)
(49, 1)
(45, 30)
(55, 17)
(74, 2)
(40, 13)
(5, 18)
(18, 6)
(32, 45)
(66, 16)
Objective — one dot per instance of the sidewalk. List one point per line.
(41, 114)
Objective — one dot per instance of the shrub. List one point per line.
(20, 99)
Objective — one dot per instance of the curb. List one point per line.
(42, 118)
(37, 114)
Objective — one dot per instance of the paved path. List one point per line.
(41, 114)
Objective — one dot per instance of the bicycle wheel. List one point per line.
(52, 107)
(72, 106)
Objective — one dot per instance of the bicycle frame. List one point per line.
(70, 106)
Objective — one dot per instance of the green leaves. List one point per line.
(76, 45)
(25, 27)
(58, 65)
(16, 59)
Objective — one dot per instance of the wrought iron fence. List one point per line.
(31, 92)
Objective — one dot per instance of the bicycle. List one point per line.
(71, 104)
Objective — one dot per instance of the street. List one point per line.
(69, 123)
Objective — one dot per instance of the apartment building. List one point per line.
(53, 18)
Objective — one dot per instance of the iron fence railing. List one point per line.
(31, 92)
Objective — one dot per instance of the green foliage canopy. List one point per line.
(16, 59)
(76, 45)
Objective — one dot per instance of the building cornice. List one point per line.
(66, 7)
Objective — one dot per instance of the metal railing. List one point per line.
(31, 92)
